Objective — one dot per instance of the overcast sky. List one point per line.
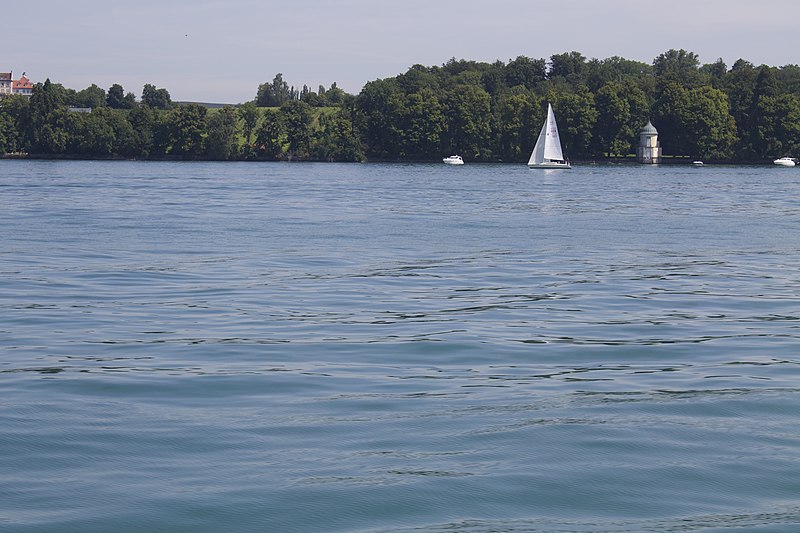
(221, 50)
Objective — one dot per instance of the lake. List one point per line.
(205, 347)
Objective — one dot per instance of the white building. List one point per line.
(6, 83)
(649, 150)
(9, 86)
(22, 86)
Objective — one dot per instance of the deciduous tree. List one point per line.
(297, 121)
(222, 140)
(336, 139)
(188, 130)
(249, 114)
(711, 131)
(116, 98)
(468, 113)
(92, 96)
(273, 94)
(156, 98)
(271, 135)
(577, 115)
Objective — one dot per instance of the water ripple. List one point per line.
(280, 347)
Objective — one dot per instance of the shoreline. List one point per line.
(666, 161)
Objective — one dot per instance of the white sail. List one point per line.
(537, 156)
(547, 151)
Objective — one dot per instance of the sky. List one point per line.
(221, 50)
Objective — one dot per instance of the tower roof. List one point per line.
(649, 129)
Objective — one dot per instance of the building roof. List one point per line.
(5, 76)
(649, 129)
(23, 83)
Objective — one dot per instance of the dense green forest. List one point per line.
(483, 111)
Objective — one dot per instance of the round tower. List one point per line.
(649, 150)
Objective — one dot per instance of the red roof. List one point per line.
(23, 83)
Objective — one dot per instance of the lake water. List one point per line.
(207, 347)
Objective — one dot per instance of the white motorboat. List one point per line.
(547, 152)
(697, 163)
(785, 161)
(453, 160)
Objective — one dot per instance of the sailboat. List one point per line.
(547, 152)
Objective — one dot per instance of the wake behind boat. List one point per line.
(453, 160)
(547, 152)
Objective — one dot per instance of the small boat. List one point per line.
(453, 160)
(785, 161)
(547, 152)
(697, 163)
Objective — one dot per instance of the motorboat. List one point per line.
(453, 160)
(785, 162)
(697, 163)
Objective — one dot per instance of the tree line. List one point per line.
(483, 111)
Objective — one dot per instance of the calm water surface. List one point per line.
(199, 347)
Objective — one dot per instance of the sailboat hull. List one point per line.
(550, 164)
